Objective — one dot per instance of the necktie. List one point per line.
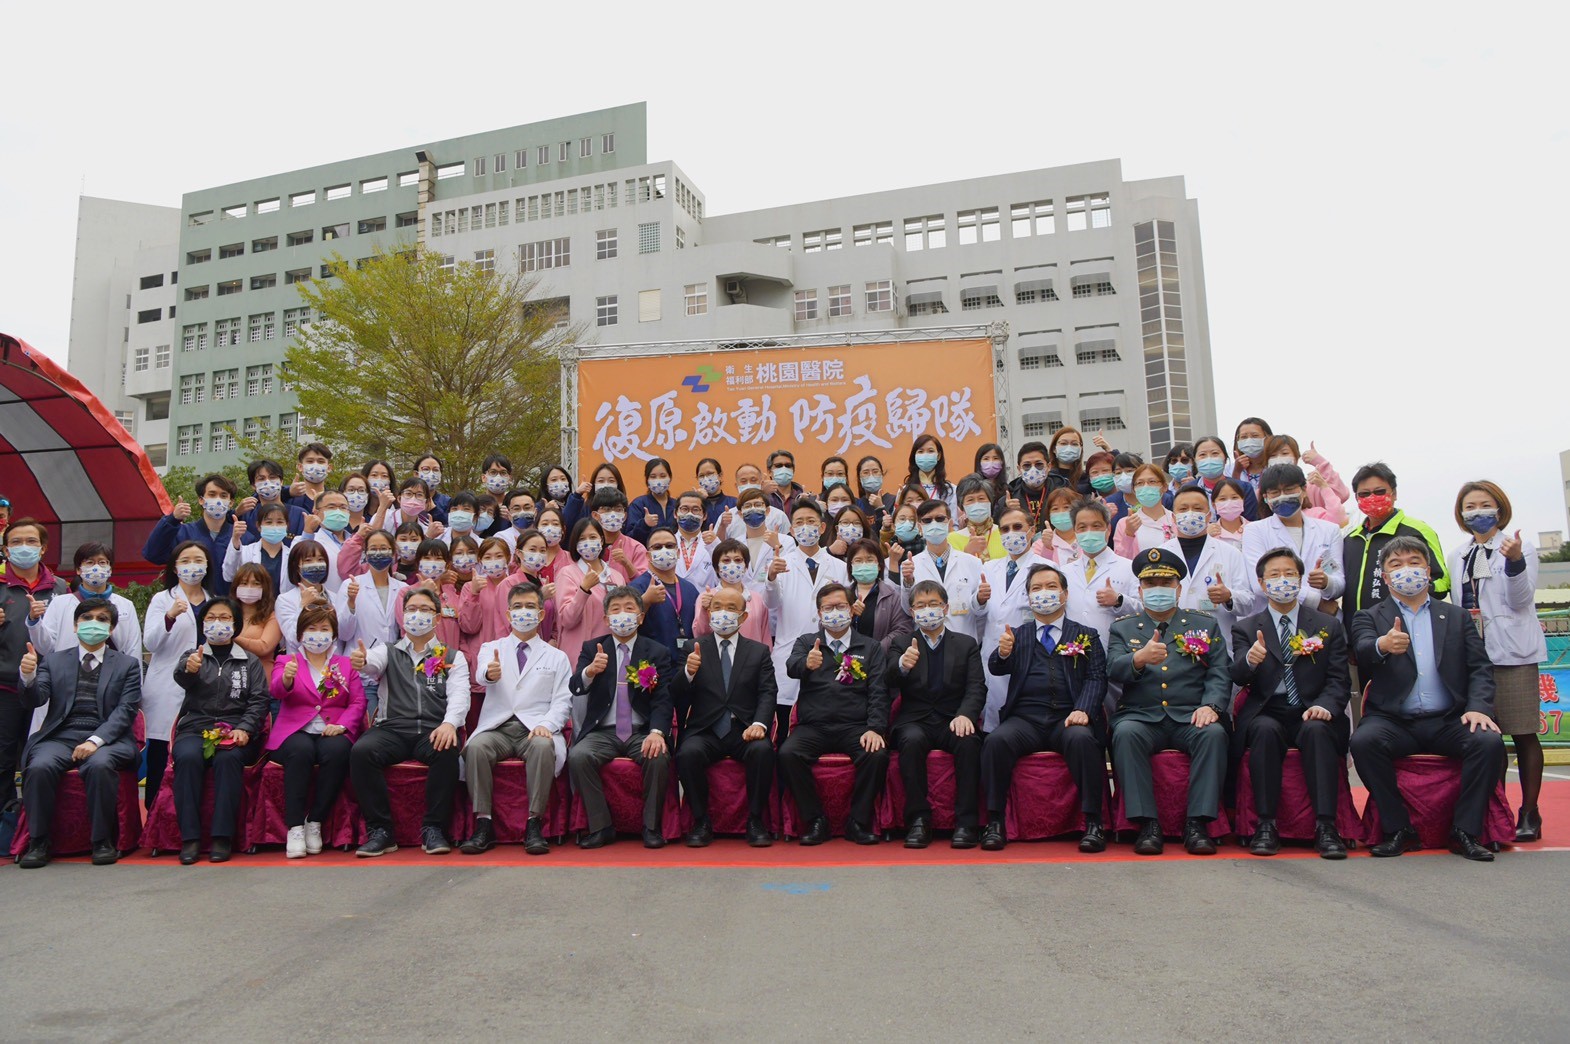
(1009, 574)
(1286, 675)
(942, 567)
(812, 569)
(1090, 570)
(523, 656)
(623, 699)
(722, 727)
(838, 648)
(89, 663)
(1047, 641)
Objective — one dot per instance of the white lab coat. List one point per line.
(287, 611)
(538, 696)
(332, 545)
(791, 598)
(373, 621)
(700, 573)
(161, 697)
(1508, 603)
(1007, 607)
(1321, 545)
(251, 554)
(1082, 605)
(1219, 561)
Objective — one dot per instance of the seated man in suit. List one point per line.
(1175, 691)
(729, 689)
(622, 707)
(527, 701)
(942, 695)
(1294, 661)
(1055, 702)
(1430, 691)
(843, 708)
(92, 694)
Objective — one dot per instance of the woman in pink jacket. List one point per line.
(732, 565)
(580, 589)
(1326, 494)
(1056, 543)
(320, 716)
(1148, 524)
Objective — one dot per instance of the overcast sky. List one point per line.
(1381, 186)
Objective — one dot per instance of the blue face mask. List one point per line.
(926, 461)
(689, 523)
(379, 559)
(274, 534)
(830, 481)
(754, 519)
(1091, 541)
(1212, 467)
(314, 573)
(935, 532)
(1286, 505)
(1159, 599)
(905, 530)
(1179, 471)
(872, 483)
(1480, 521)
(24, 556)
(1148, 496)
(522, 520)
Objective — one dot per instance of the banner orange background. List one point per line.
(818, 402)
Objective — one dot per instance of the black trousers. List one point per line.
(807, 743)
(380, 748)
(1016, 737)
(781, 724)
(157, 754)
(228, 766)
(299, 754)
(915, 740)
(1381, 739)
(1277, 729)
(50, 759)
(1133, 743)
(698, 750)
(14, 722)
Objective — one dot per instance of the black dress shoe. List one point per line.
(965, 837)
(105, 854)
(757, 837)
(653, 838)
(1267, 839)
(1528, 827)
(1197, 839)
(817, 833)
(483, 839)
(221, 850)
(859, 834)
(919, 835)
(598, 838)
(701, 835)
(378, 842)
(1403, 840)
(190, 852)
(1464, 844)
(1094, 839)
(1149, 841)
(37, 855)
(1328, 843)
(993, 838)
(534, 841)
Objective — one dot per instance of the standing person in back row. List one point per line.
(1374, 487)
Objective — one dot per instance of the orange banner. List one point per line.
(818, 402)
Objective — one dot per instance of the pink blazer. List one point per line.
(301, 701)
(580, 616)
(1328, 501)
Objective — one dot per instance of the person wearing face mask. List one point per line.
(406, 544)
(1101, 585)
(1057, 528)
(321, 713)
(270, 550)
(609, 509)
(1248, 445)
(605, 476)
(1326, 495)
(332, 508)
(1210, 465)
(527, 702)
(745, 522)
(88, 695)
(434, 573)
(531, 561)
(413, 506)
(656, 507)
(1066, 453)
(1218, 581)
(483, 613)
(463, 511)
(223, 688)
(1227, 505)
(168, 630)
(794, 576)
(1179, 467)
(1315, 541)
(763, 543)
(212, 525)
(1101, 473)
(1003, 601)
(1055, 701)
(942, 694)
(727, 685)
(496, 474)
(903, 538)
(622, 707)
(522, 514)
(1295, 699)
(94, 565)
(1149, 524)
(555, 488)
(990, 465)
(379, 478)
(373, 603)
(307, 573)
(692, 542)
(1430, 690)
(425, 697)
(957, 571)
(553, 528)
(363, 509)
(581, 585)
(850, 526)
(732, 566)
(835, 473)
(979, 536)
(1173, 667)
(1374, 489)
(1495, 576)
(870, 497)
(312, 464)
(429, 470)
(488, 520)
(711, 485)
(266, 478)
(259, 633)
(877, 605)
(29, 586)
(836, 505)
(926, 472)
(1035, 481)
(669, 602)
(1121, 500)
(779, 482)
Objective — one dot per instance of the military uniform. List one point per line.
(1159, 700)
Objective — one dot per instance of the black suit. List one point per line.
(1268, 725)
(47, 756)
(1078, 683)
(1386, 732)
(927, 705)
(595, 744)
(712, 707)
(831, 718)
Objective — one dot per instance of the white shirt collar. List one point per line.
(98, 654)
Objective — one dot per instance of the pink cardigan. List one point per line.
(1153, 532)
(301, 701)
(580, 616)
(756, 626)
(1328, 501)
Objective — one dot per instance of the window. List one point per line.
(373, 185)
(232, 286)
(149, 282)
(839, 301)
(1101, 211)
(300, 238)
(409, 179)
(221, 437)
(520, 159)
(978, 226)
(490, 215)
(190, 439)
(585, 148)
(648, 306)
(292, 318)
(259, 379)
(289, 424)
(226, 384)
(226, 333)
(695, 297)
(194, 338)
(1105, 417)
(974, 298)
(198, 220)
(880, 296)
(259, 327)
(196, 257)
(238, 210)
(451, 170)
(925, 297)
(297, 275)
(196, 293)
(827, 239)
(157, 407)
(924, 233)
(260, 245)
(339, 231)
(193, 388)
(410, 218)
(149, 315)
(1032, 219)
(1034, 291)
(161, 357)
(783, 242)
(605, 244)
(255, 427)
(543, 155)
(448, 261)
(806, 305)
(547, 253)
(267, 206)
(1094, 211)
(302, 199)
(370, 225)
(605, 311)
(486, 260)
(264, 282)
(479, 166)
(878, 232)
(139, 358)
(681, 237)
(563, 151)
(232, 250)
(1087, 353)
(607, 142)
(649, 238)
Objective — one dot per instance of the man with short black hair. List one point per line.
(215, 495)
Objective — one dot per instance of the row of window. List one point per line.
(159, 356)
(560, 203)
(983, 225)
(1101, 418)
(497, 162)
(223, 436)
(226, 384)
(261, 326)
(304, 237)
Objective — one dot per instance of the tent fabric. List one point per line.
(67, 462)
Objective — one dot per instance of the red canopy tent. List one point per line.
(67, 462)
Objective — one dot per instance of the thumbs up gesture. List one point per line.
(776, 567)
(1257, 652)
(704, 599)
(1395, 642)
(650, 519)
(182, 510)
(907, 571)
(239, 531)
(984, 591)
(290, 669)
(1106, 597)
(35, 608)
(597, 665)
(655, 594)
(909, 658)
(494, 671)
(193, 662)
(815, 657)
(1152, 652)
(1510, 547)
(726, 519)
(1006, 643)
(29, 664)
(352, 591)
(357, 658)
(1317, 579)
(694, 660)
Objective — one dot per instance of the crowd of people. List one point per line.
(1220, 601)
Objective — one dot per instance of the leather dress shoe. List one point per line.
(483, 839)
(965, 837)
(859, 834)
(817, 833)
(919, 835)
(1464, 844)
(221, 850)
(1197, 839)
(190, 852)
(653, 838)
(105, 854)
(598, 838)
(701, 835)
(1529, 827)
(1149, 841)
(1403, 840)
(534, 841)
(1094, 839)
(993, 839)
(757, 837)
(1328, 843)
(36, 857)
(1267, 839)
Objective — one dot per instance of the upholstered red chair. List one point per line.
(728, 801)
(265, 805)
(510, 803)
(1430, 784)
(406, 798)
(623, 782)
(1295, 817)
(1169, 770)
(71, 832)
(1043, 800)
(940, 792)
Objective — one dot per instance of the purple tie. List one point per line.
(623, 700)
(523, 656)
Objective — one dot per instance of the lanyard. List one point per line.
(689, 552)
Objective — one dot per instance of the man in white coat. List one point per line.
(1283, 489)
(942, 563)
(1002, 600)
(794, 577)
(1217, 580)
(527, 701)
(1101, 584)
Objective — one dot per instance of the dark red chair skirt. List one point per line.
(1431, 784)
(1169, 770)
(71, 831)
(406, 798)
(1043, 800)
(264, 800)
(940, 792)
(834, 776)
(728, 801)
(162, 833)
(510, 803)
(623, 783)
(1295, 815)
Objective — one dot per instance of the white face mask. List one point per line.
(1045, 601)
(524, 620)
(732, 572)
(662, 557)
(248, 595)
(725, 622)
(534, 561)
(419, 622)
(316, 641)
(623, 625)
